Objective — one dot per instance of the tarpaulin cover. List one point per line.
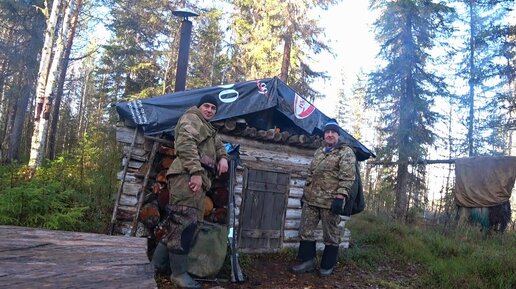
(484, 181)
(160, 114)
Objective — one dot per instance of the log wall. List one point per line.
(265, 153)
(292, 160)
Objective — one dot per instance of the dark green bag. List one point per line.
(209, 249)
(355, 202)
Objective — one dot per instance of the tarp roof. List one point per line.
(160, 114)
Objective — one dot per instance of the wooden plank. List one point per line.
(257, 233)
(35, 258)
(125, 135)
(246, 142)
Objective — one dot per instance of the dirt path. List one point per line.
(269, 271)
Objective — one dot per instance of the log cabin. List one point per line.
(276, 132)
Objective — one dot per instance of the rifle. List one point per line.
(236, 272)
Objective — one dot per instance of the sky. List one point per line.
(349, 27)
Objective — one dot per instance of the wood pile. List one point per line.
(238, 127)
(141, 206)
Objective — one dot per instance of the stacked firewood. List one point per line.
(153, 213)
(239, 127)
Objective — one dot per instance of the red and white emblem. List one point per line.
(302, 108)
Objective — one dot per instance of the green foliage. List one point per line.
(40, 202)
(72, 192)
(463, 258)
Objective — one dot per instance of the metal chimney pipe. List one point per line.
(184, 48)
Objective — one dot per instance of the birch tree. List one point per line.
(50, 65)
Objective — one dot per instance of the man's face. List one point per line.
(208, 110)
(331, 137)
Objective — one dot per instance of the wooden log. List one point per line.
(218, 124)
(167, 150)
(250, 144)
(137, 152)
(129, 177)
(134, 164)
(293, 139)
(120, 188)
(126, 134)
(156, 187)
(37, 258)
(277, 136)
(163, 197)
(165, 163)
(241, 124)
(162, 176)
(126, 213)
(131, 189)
(149, 215)
(230, 124)
(208, 206)
(284, 136)
(143, 192)
(261, 134)
(160, 140)
(303, 139)
(127, 200)
(249, 132)
(220, 197)
(269, 134)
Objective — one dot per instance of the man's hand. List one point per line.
(195, 183)
(336, 205)
(222, 166)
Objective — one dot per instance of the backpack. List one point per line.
(355, 202)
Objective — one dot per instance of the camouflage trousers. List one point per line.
(185, 211)
(310, 217)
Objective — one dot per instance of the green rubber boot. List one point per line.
(179, 275)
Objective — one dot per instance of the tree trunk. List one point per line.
(472, 80)
(62, 77)
(47, 79)
(401, 190)
(287, 48)
(26, 92)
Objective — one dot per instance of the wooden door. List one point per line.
(262, 215)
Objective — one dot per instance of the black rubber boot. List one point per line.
(179, 276)
(160, 260)
(306, 254)
(328, 261)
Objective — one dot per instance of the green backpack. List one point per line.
(209, 249)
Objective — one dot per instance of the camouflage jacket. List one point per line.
(196, 139)
(330, 174)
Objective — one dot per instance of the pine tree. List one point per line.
(258, 27)
(403, 89)
(480, 68)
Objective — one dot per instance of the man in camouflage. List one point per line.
(330, 178)
(200, 154)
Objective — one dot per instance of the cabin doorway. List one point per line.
(262, 216)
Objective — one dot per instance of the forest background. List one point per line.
(442, 87)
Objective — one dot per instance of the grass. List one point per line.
(458, 258)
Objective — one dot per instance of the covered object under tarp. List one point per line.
(160, 114)
(484, 181)
(483, 187)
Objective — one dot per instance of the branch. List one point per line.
(85, 55)
(420, 162)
